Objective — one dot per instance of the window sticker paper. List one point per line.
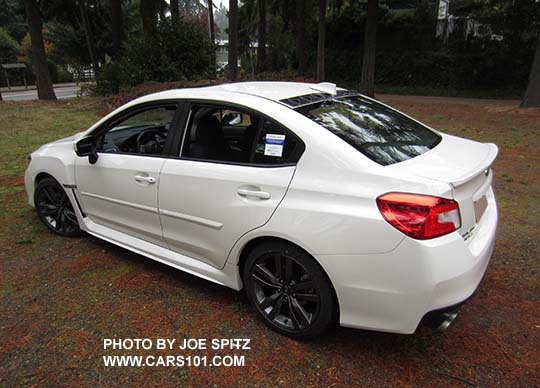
(273, 144)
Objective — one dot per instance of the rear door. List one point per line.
(207, 204)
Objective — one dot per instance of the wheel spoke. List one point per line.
(307, 297)
(288, 269)
(269, 301)
(277, 308)
(267, 275)
(71, 217)
(279, 266)
(61, 222)
(294, 318)
(298, 308)
(303, 285)
(264, 282)
(49, 196)
(47, 209)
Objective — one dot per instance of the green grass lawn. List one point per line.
(27, 125)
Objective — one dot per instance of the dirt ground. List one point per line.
(61, 297)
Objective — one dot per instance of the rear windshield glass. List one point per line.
(380, 133)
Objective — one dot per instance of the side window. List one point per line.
(275, 145)
(220, 134)
(143, 132)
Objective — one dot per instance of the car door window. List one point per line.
(276, 145)
(143, 132)
(220, 134)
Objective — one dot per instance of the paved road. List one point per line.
(61, 92)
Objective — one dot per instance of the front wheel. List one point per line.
(289, 290)
(55, 209)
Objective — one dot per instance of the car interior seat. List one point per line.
(209, 140)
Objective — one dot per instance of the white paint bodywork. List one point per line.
(193, 218)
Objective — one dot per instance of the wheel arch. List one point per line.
(42, 175)
(252, 243)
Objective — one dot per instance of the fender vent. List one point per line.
(77, 202)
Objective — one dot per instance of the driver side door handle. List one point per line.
(145, 179)
(256, 193)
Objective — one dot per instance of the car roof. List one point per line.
(271, 90)
(277, 91)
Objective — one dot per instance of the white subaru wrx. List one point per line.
(323, 204)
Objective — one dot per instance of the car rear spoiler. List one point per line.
(480, 168)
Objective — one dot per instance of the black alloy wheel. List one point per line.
(289, 290)
(55, 209)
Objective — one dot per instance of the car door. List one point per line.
(119, 190)
(208, 202)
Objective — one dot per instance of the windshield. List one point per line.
(380, 133)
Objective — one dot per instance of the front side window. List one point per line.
(143, 132)
(382, 134)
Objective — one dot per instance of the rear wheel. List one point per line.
(289, 290)
(55, 209)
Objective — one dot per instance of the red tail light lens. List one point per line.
(420, 216)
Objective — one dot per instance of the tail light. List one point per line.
(420, 216)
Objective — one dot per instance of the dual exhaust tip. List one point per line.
(440, 319)
(447, 319)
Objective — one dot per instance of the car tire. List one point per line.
(55, 209)
(289, 290)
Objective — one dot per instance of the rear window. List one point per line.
(382, 134)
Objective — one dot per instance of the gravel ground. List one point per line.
(61, 297)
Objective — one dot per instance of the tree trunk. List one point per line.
(321, 40)
(39, 60)
(89, 36)
(148, 11)
(211, 21)
(233, 39)
(117, 25)
(367, 83)
(175, 11)
(261, 48)
(162, 8)
(532, 95)
(301, 35)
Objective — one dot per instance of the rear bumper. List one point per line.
(393, 291)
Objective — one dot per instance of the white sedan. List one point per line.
(323, 204)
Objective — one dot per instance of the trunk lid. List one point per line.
(466, 166)
(454, 161)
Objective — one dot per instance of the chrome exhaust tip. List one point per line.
(448, 318)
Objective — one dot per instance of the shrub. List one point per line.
(9, 48)
(176, 52)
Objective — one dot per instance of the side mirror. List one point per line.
(87, 147)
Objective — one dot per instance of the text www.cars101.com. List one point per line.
(174, 361)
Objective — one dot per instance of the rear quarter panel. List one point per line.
(330, 206)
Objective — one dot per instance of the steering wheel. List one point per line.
(150, 142)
